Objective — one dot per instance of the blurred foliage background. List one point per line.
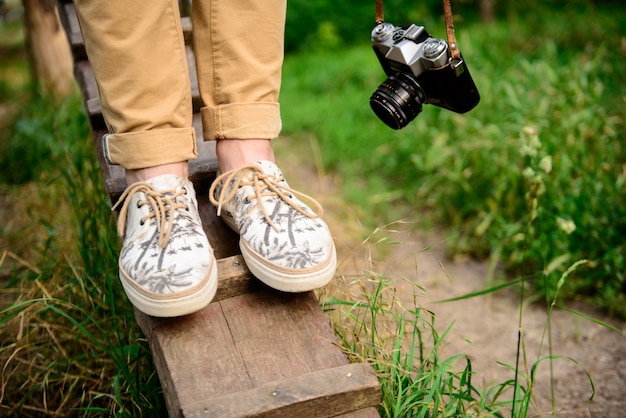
(531, 179)
(324, 24)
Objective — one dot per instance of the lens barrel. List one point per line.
(397, 101)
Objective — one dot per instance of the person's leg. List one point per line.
(136, 50)
(235, 153)
(239, 55)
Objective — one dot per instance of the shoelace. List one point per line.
(163, 207)
(264, 185)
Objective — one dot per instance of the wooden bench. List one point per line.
(253, 351)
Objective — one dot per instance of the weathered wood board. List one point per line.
(262, 353)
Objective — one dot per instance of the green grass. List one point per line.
(70, 344)
(403, 345)
(559, 81)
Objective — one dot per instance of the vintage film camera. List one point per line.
(420, 70)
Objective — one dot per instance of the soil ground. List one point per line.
(484, 328)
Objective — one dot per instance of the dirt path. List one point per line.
(485, 328)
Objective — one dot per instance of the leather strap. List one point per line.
(447, 14)
(380, 15)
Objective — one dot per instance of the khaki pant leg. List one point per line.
(136, 49)
(239, 46)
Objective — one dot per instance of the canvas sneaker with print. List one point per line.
(285, 244)
(166, 264)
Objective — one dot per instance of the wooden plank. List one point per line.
(224, 241)
(186, 23)
(254, 339)
(89, 90)
(325, 393)
(281, 335)
(234, 278)
(189, 349)
(69, 20)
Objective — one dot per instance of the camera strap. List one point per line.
(447, 14)
(380, 14)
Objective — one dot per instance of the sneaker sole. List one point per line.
(166, 306)
(288, 280)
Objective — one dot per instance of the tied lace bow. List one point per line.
(162, 205)
(264, 185)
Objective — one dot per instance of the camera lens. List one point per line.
(397, 101)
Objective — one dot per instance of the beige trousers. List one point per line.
(137, 52)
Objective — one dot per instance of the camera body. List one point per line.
(420, 70)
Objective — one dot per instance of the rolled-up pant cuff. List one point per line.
(242, 121)
(136, 150)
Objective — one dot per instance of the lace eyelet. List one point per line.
(142, 222)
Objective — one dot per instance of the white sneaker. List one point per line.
(167, 267)
(284, 243)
